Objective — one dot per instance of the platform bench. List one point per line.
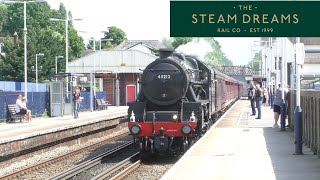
(102, 104)
(12, 116)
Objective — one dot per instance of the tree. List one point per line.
(3, 17)
(43, 37)
(12, 64)
(256, 61)
(116, 34)
(216, 57)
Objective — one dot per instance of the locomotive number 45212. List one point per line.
(164, 76)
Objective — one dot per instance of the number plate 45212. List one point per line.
(164, 76)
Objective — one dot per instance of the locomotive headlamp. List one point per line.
(192, 117)
(186, 129)
(135, 129)
(132, 117)
(175, 117)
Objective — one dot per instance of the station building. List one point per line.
(117, 71)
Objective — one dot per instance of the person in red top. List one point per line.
(76, 102)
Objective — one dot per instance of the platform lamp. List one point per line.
(25, 36)
(67, 45)
(39, 54)
(56, 59)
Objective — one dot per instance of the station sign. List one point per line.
(105, 75)
(244, 18)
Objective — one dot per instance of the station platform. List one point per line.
(241, 147)
(18, 136)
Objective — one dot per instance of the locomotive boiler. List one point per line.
(177, 102)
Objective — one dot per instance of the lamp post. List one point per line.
(1, 49)
(92, 77)
(283, 103)
(25, 36)
(102, 40)
(93, 72)
(300, 55)
(67, 43)
(39, 54)
(56, 59)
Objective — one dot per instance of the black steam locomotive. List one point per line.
(178, 100)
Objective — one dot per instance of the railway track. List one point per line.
(90, 163)
(128, 165)
(46, 163)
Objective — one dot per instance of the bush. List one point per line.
(45, 114)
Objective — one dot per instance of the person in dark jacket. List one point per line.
(76, 102)
(258, 98)
(251, 95)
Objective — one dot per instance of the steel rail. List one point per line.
(119, 166)
(90, 163)
(34, 167)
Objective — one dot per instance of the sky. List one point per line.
(141, 20)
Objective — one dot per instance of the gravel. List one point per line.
(153, 168)
(8, 167)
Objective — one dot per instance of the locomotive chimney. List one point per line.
(165, 52)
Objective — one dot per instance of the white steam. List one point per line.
(197, 47)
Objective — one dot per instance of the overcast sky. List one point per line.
(141, 20)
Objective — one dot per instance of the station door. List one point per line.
(131, 93)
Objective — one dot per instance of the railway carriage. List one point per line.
(179, 100)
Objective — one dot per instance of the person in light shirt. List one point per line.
(28, 116)
(20, 108)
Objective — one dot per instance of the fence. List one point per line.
(19, 86)
(38, 102)
(310, 104)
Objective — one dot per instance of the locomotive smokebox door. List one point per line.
(188, 108)
(138, 109)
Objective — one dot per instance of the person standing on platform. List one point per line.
(76, 102)
(251, 95)
(276, 106)
(271, 96)
(258, 98)
(265, 97)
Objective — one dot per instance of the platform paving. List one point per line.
(10, 131)
(250, 149)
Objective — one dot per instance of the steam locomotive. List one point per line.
(179, 100)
